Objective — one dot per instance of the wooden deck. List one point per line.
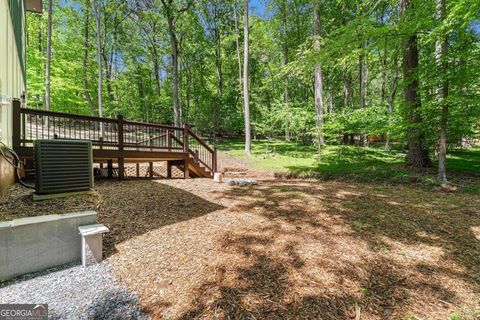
(116, 140)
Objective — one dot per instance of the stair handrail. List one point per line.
(213, 151)
(200, 140)
(193, 153)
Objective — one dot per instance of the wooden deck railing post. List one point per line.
(214, 160)
(186, 170)
(16, 123)
(169, 140)
(121, 159)
(185, 137)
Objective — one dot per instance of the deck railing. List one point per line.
(109, 133)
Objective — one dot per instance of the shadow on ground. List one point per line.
(134, 207)
(116, 304)
(331, 251)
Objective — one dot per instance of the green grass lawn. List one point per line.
(466, 160)
(347, 162)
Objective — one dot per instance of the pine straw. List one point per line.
(17, 202)
(304, 250)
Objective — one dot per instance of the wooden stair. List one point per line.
(195, 170)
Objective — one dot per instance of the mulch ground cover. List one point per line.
(304, 250)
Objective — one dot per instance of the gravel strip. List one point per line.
(74, 292)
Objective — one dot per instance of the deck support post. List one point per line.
(138, 169)
(186, 171)
(150, 169)
(169, 170)
(110, 168)
(121, 160)
(169, 140)
(121, 168)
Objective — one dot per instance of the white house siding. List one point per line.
(12, 82)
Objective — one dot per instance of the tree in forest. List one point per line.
(146, 16)
(246, 103)
(318, 87)
(388, 58)
(172, 14)
(441, 47)
(362, 64)
(86, 47)
(417, 149)
(282, 8)
(49, 55)
(215, 15)
(237, 49)
(97, 12)
(114, 14)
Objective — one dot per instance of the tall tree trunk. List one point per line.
(180, 97)
(383, 84)
(218, 62)
(169, 9)
(176, 105)
(188, 93)
(96, 10)
(108, 50)
(346, 93)
(141, 94)
(362, 76)
(441, 48)
(285, 62)
(174, 43)
(383, 90)
(330, 102)
(391, 100)
(246, 103)
(49, 55)
(86, 46)
(108, 76)
(239, 59)
(40, 97)
(156, 68)
(318, 87)
(417, 150)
